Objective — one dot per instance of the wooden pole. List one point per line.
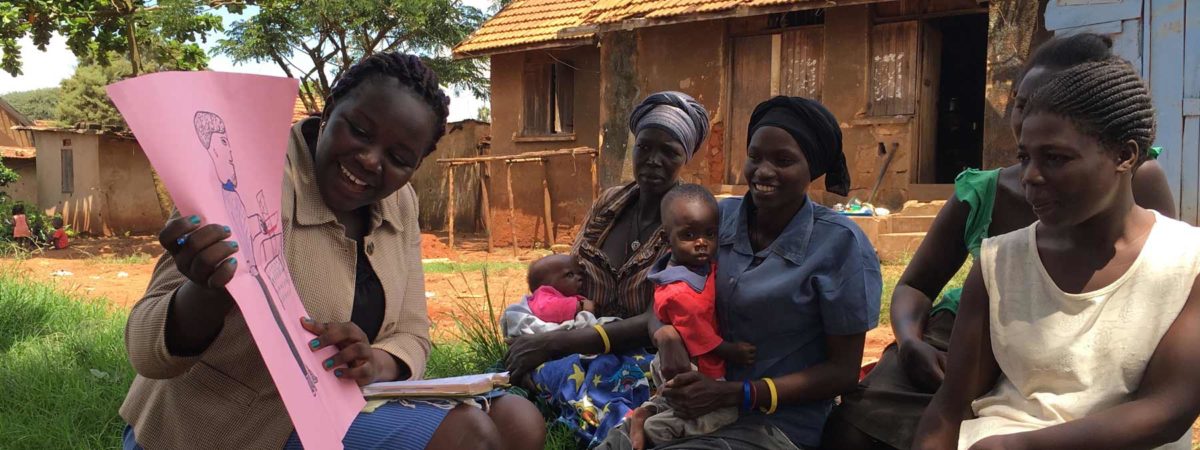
(450, 210)
(595, 180)
(512, 209)
(485, 203)
(546, 203)
(527, 155)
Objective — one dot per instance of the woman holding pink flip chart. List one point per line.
(353, 250)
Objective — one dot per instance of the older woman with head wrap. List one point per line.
(620, 239)
(796, 280)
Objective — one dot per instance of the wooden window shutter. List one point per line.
(564, 98)
(68, 171)
(537, 93)
(802, 62)
(893, 69)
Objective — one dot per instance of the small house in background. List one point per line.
(99, 181)
(926, 81)
(23, 161)
(463, 139)
(17, 153)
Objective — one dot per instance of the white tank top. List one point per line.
(1064, 356)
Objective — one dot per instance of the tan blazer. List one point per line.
(224, 398)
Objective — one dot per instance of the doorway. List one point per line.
(955, 75)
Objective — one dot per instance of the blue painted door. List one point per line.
(1162, 39)
(1190, 162)
(1165, 23)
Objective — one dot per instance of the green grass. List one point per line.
(136, 258)
(559, 437)
(891, 276)
(64, 371)
(457, 267)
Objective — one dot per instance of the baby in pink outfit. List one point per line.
(555, 282)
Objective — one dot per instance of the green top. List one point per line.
(976, 188)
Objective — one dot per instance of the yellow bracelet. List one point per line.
(774, 397)
(604, 336)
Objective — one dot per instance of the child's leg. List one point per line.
(637, 422)
(710, 422)
(666, 426)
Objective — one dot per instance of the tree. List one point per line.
(38, 104)
(484, 114)
(94, 29)
(7, 177)
(83, 99)
(318, 39)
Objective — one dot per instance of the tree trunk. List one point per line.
(135, 57)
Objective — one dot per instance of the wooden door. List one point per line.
(750, 85)
(927, 104)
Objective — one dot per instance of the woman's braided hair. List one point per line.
(1105, 99)
(1066, 51)
(410, 71)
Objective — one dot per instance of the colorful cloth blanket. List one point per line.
(594, 393)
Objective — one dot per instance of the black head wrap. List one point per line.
(817, 132)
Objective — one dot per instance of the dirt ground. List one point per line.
(118, 270)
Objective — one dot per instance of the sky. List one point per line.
(48, 68)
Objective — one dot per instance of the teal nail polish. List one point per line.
(233, 244)
(226, 229)
(233, 261)
(315, 343)
(195, 220)
(337, 373)
(329, 363)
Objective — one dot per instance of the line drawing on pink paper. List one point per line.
(262, 229)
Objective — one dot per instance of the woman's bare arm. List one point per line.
(970, 372)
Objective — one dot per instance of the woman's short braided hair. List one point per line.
(1105, 99)
(410, 71)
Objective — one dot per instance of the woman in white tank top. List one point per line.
(1079, 331)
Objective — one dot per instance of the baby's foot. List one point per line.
(637, 423)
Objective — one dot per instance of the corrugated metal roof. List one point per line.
(17, 152)
(531, 22)
(19, 118)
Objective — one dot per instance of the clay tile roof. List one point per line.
(301, 112)
(568, 22)
(612, 11)
(18, 152)
(526, 22)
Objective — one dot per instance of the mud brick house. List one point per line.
(17, 153)
(926, 79)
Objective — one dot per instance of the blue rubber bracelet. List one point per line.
(746, 400)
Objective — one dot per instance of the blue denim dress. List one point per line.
(819, 278)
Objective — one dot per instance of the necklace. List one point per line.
(637, 228)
